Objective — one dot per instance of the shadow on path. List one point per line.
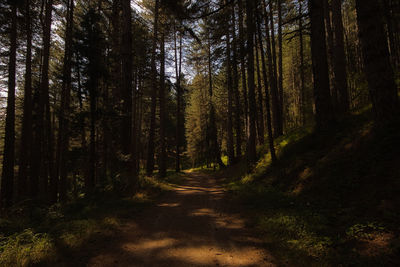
(191, 226)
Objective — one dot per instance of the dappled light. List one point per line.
(199, 133)
(192, 226)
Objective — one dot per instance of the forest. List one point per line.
(199, 133)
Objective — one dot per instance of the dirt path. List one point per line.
(191, 226)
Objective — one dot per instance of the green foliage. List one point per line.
(26, 248)
(34, 234)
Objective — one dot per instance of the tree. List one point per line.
(7, 178)
(26, 131)
(238, 123)
(178, 74)
(267, 93)
(381, 83)
(280, 62)
(128, 143)
(126, 86)
(63, 132)
(243, 64)
(251, 140)
(212, 133)
(272, 75)
(92, 51)
(277, 107)
(339, 59)
(230, 145)
(260, 109)
(150, 148)
(302, 66)
(163, 153)
(39, 174)
(323, 106)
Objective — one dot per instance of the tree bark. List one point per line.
(127, 59)
(26, 132)
(267, 94)
(178, 68)
(390, 17)
(329, 48)
(238, 123)
(7, 181)
(302, 66)
(230, 147)
(63, 132)
(278, 123)
(339, 59)
(38, 150)
(243, 64)
(280, 63)
(323, 105)
(380, 77)
(272, 78)
(260, 110)
(163, 152)
(150, 149)
(213, 145)
(251, 142)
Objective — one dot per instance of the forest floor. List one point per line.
(332, 199)
(192, 225)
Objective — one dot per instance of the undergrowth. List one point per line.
(41, 235)
(332, 199)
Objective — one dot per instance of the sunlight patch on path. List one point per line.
(191, 226)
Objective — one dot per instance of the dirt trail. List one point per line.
(191, 226)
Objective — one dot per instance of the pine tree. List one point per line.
(7, 177)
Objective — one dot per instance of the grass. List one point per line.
(332, 199)
(42, 235)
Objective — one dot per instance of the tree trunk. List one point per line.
(127, 59)
(91, 177)
(251, 142)
(178, 67)
(260, 111)
(390, 16)
(7, 181)
(272, 77)
(115, 56)
(323, 105)
(26, 132)
(230, 147)
(380, 77)
(280, 62)
(162, 164)
(50, 180)
(267, 100)
(302, 66)
(38, 151)
(238, 123)
(278, 125)
(212, 133)
(135, 142)
(94, 59)
(339, 59)
(329, 49)
(63, 131)
(243, 64)
(150, 149)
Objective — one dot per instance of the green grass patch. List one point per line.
(42, 235)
